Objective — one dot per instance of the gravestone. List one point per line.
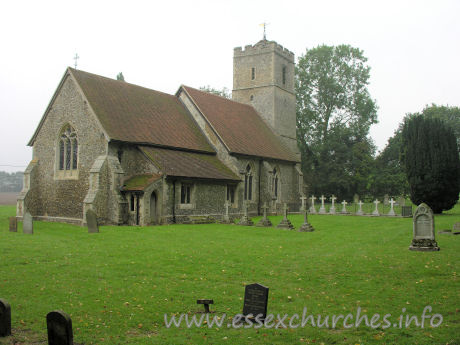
(5, 318)
(13, 224)
(344, 207)
(59, 327)
(360, 209)
(245, 220)
(402, 201)
(312, 209)
(356, 198)
(456, 229)
(226, 218)
(91, 222)
(322, 209)
(376, 211)
(27, 224)
(423, 230)
(332, 209)
(386, 199)
(285, 222)
(305, 227)
(255, 300)
(392, 211)
(264, 221)
(406, 211)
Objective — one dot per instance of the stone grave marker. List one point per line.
(376, 211)
(59, 327)
(356, 198)
(206, 303)
(226, 218)
(285, 222)
(255, 300)
(392, 211)
(264, 221)
(402, 201)
(406, 211)
(332, 209)
(27, 224)
(91, 222)
(456, 229)
(386, 199)
(13, 224)
(360, 209)
(344, 207)
(322, 209)
(245, 220)
(312, 209)
(5, 318)
(305, 227)
(423, 230)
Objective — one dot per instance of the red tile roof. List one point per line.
(240, 126)
(188, 164)
(136, 114)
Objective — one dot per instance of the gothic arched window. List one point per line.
(67, 152)
(275, 182)
(248, 183)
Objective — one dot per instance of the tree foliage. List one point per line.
(334, 114)
(224, 92)
(430, 157)
(120, 76)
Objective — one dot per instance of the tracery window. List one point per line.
(67, 153)
(248, 183)
(275, 181)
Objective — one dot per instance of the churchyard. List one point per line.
(117, 284)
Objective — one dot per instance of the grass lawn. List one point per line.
(118, 284)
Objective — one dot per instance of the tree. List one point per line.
(224, 92)
(334, 114)
(120, 76)
(430, 157)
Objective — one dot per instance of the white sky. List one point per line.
(413, 49)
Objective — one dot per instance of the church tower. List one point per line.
(263, 76)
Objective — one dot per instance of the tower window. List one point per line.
(252, 97)
(284, 75)
(253, 73)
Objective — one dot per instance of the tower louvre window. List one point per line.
(284, 75)
(253, 73)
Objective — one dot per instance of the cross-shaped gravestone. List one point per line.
(303, 198)
(305, 227)
(226, 217)
(376, 211)
(59, 327)
(344, 207)
(285, 223)
(360, 209)
(312, 207)
(332, 209)
(392, 211)
(264, 221)
(322, 209)
(245, 220)
(5, 318)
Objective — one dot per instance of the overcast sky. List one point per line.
(413, 48)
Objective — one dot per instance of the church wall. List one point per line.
(133, 161)
(64, 197)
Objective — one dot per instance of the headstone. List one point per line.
(264, 221)
(322, 209)
(456, 229)
(402, 201)
(59, 327)
(360, 209)
(13, 224)
(312, 209)
(356, 198)
(386, 199)
(303, 198)
(285, 222)
(332, 209)
(245, 220)
(406, 211)
(226, 218)
(5, 318)
(392, 211)
(376, 211)
(344, 207)
(255, 300)
(206, 303)
(91, 222)
(423, 230)
(305, 227)
(27, 224)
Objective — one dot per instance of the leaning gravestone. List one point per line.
(255, 300)
(5, 318)
(91, 222)
(59, 327)
(13, 224)
(27, 224)
(423, 228)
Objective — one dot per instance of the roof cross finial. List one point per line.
(265, 26)
(76, 57)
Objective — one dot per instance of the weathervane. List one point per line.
(265, 26)
(76, 57)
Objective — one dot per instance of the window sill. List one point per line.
(66, 175)
(186, 206)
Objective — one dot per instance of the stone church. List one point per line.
(138, 156)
